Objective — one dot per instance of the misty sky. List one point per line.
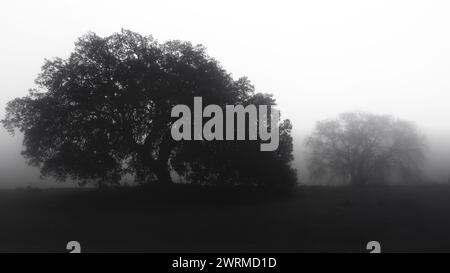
(319, 58)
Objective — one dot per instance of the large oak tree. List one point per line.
(105, 112)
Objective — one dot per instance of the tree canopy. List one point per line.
(105, 112)
(361, 148)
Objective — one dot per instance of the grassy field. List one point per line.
(313, 219)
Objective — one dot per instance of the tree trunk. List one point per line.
(163, 173)
(160, 166)
(162, 169)
(357, 180)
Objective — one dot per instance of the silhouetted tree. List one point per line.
(362, 148)
(105, 112)
(240, 162)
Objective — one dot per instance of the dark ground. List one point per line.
(314, 219)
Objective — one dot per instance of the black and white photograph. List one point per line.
(238, 129)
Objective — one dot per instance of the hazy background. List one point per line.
(319, 58)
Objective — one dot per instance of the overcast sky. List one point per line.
(319, 58)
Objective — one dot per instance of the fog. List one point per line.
(319, 58)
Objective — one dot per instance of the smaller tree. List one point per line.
(361, 148)
(232, 163)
